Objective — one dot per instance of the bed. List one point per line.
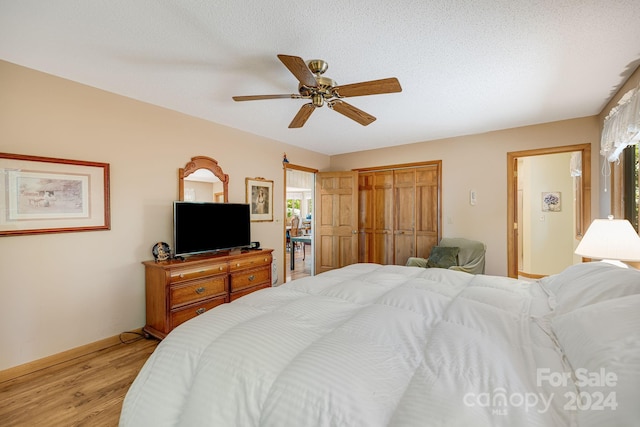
(372, 345)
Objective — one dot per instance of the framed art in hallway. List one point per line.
(260, 197)
(551, 201)
(51, 195)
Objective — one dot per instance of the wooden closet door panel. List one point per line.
(383, 252)
(427, 208)
(365, 217)
(404, 215)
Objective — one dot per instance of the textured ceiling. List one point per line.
(465, 66)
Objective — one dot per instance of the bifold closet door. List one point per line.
(376, 217)
(399, 213)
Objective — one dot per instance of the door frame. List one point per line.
(512, 196)
(285, 167)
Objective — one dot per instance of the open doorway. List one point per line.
(299, 221)
(549, 207)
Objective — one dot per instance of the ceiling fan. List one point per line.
(319, 89)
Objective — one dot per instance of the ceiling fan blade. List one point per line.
(352, 112)
(373, 87)
(303, 115)
(298, 68)
(258, 97)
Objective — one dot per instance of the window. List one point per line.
(631, 191)
(293, 208)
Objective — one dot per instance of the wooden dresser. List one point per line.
(178, 290)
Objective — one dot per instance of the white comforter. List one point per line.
(365, 345)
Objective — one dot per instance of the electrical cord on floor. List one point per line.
(138, 337)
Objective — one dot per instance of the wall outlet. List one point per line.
(473, 197)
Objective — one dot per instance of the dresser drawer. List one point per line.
(197, 290)
(194, 272)
(250, 278)
(246, 291)
(189, 312)
(249, 262)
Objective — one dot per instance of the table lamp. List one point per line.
(610, 240)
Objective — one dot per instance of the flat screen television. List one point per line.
(200, 227)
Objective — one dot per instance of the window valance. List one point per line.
(621, 126)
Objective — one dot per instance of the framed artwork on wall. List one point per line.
(49, 195)
(260, 197)
(551, 201)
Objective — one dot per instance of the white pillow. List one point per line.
(590, 283)
(602, 344)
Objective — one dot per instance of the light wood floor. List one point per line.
(302, 266)
(87, 391)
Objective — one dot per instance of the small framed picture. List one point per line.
(260, 197)
(551, 201)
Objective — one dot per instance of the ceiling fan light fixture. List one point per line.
(317, 99)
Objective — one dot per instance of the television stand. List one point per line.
(179, 290)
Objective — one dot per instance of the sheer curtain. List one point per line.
(621, 126)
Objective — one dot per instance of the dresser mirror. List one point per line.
(203, 180)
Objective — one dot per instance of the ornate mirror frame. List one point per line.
(203, 162)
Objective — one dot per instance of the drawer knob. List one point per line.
(201, 310)
(200, 290)
(252, 278)
(220, 268)
(238, 265)
(181, 275)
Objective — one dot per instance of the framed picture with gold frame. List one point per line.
(260, 198)
(50, 195)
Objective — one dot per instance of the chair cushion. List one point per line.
(443, 257)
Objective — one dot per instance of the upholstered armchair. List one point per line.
(454, 253)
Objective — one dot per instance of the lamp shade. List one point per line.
(613, 239)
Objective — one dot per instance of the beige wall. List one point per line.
(479, 162)
(60, 291)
